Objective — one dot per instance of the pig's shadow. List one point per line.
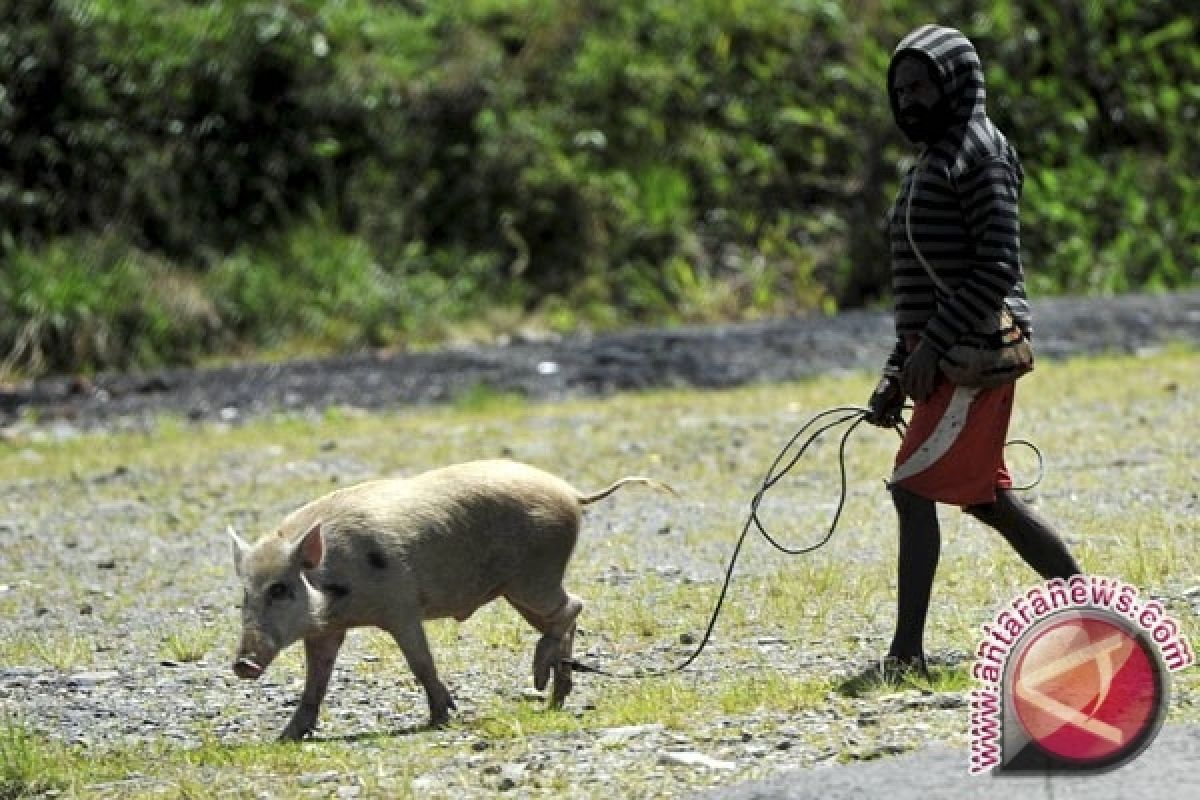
(371, 736)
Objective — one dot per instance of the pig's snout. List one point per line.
(255, 652)
(247, 669)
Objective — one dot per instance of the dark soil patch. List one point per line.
(708, 357)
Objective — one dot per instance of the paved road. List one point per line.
(1168, 770)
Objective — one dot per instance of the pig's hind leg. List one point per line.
(555, 618)
(320, 652)
(411, 638)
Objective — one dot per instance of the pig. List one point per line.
(392, 553)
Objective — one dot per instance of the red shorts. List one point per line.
(953, 450)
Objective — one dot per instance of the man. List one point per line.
(957, 211)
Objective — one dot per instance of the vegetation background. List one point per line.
(188, 180)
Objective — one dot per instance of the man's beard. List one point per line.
(924, 124)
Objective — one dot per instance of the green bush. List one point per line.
(91, 302)
(362, 173)
(312, 282)
(316, 286)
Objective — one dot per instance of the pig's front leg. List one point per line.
(320, 652)
(411, 638)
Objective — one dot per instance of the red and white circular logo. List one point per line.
(1087, 688)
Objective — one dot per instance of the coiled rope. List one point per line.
(787, 459)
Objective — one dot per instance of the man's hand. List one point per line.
(886, 403)
(920, 372)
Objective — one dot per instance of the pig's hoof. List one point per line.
(544, 658)
(562, 686)
(557, 699)
(439, 715)
(291, 734)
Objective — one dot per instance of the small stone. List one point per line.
(873, 753)
(616, 736)
(920, 702)
(951, 701)
(423, 784)
(691, 758)
(17, 673)
(84, 679)
(317, 778)
(107, 563)
(687, 638)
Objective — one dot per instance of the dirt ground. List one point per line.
(554, 369)
(77, 604)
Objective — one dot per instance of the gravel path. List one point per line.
(570, 367)
(157, 696)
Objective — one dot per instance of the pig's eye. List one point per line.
(278, 591)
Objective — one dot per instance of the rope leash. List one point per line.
(855, 416)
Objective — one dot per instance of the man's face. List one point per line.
(920, 109)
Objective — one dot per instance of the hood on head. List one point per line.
(955, 65)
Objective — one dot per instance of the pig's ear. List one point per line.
(239, 548)
(311, 548)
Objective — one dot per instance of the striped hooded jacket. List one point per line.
(965, 188)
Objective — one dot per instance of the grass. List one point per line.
(190, 644)
(479, 398)
(33, 765)
(63, 650)
(29, 763)
(1120, 482)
